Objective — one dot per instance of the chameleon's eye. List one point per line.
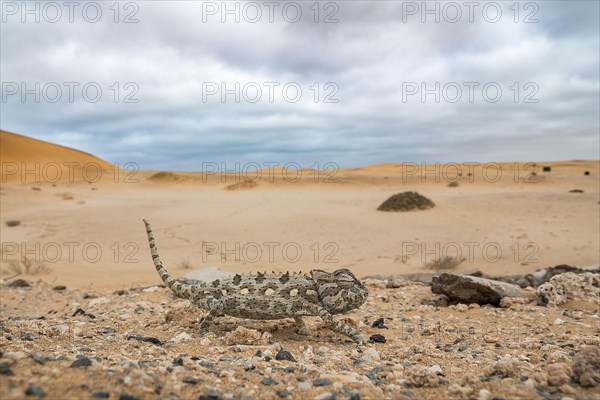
(345, 278)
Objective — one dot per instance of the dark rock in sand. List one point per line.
(284, 355)
(19, 283)
(33, 390)
(377, 338)
(81, 362)
(139, 338)
(471, 289)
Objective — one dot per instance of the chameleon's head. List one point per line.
(339, 291)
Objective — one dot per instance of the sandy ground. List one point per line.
(74, 344)
(91, 234)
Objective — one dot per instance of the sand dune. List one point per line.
(25, 159)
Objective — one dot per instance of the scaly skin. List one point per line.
(273, 296)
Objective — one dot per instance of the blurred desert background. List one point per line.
(72, 219)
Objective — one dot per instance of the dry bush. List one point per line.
(444, 263)
(28, 267)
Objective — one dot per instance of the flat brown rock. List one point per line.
(471, 289)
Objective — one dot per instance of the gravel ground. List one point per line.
(145, 344)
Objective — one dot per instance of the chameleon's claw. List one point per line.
(359, 339)
(302, 331)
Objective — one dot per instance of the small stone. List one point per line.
(586, 366)
(377, 338)
(284, 355)
(558, 374)
(304, 386)
(125, 396)
(38, 358)
(59, 288)
(323, 350)
(181, 337)
(420, 376)
(484, 394)
(325, 396)
(178, 361)
(148, 339)
(322, 382)
(101, 394)
(190, 379)
(19, 283)
(99, 301)
(379, 323)
(282, 393)
(81, 362)
(461, 308)
(5, 369)
(490, 338)
(268, 381)
(437, 369)
(558, 321)
(33, 390)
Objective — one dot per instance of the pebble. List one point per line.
(284, 355)
(191, 380)
(377, 338)
(98, 301)
(5, 369)
(322, 382)
(268, 381)
(379, 323)
(558, 321)
(304, 386)
(437, 370)
(184, 336)
(148, 339)
(558, 374)
(81, 362)
(325, 396)
(33, 390)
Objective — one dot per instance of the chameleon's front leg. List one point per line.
(337, 325)
(300, 327)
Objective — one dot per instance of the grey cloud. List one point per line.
(368, 54)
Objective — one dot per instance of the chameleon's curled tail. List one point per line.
(179, 288)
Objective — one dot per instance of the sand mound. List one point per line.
(406, 201)
(165, 176)
(26, 159)
(246, 184)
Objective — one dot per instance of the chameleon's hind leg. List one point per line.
(215, 309)
(300, 327)
(338, 326)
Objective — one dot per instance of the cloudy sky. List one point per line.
(171, 85)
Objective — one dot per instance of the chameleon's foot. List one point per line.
(300, 327)
(358, 339)
(301, 330)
